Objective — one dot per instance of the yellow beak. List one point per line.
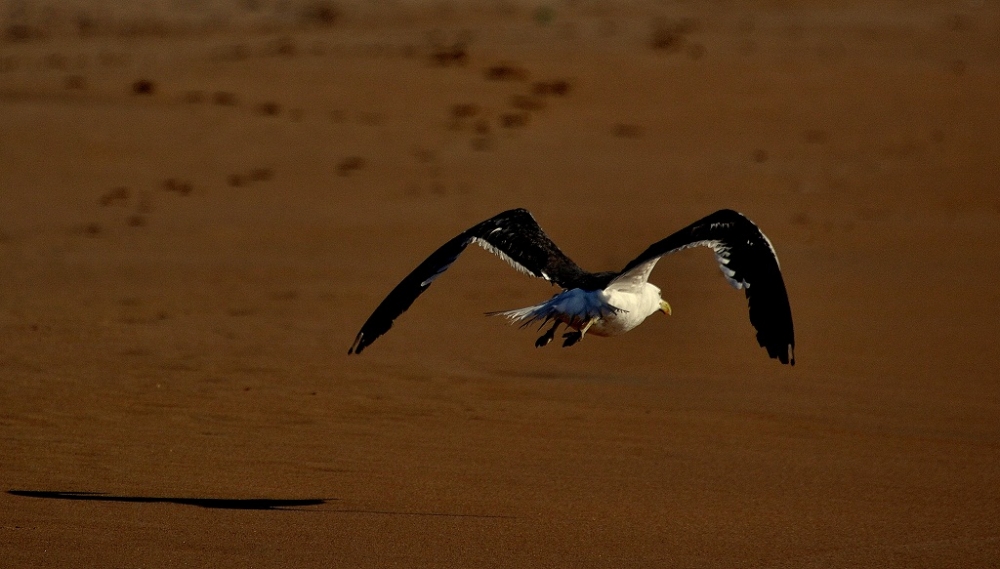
(665, 307)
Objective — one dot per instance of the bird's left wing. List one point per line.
(748, 262)
(513, 235)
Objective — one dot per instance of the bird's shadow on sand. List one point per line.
(257, 504)
(212, 503)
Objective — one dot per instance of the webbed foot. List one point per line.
(574, 337)
(547, 337)
(570, 338)
(544, 339)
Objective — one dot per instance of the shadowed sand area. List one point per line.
(201, 202)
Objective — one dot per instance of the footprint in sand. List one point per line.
(116, 196)
(527, 103)
(482, 141)
(224, 99)
(515, 120)
(142, 210)
(284, 46)
(558, 87)
(671, 35)
(506, 72)
(464, 110)
(460, 112)
(445, 54)
(180, 186)
(268, 109)
(75, 82)
(143, 87)
(627, 130)
(349, 165)
(92, 229)
(261, 174)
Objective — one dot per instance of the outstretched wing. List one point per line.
(748, 262)
(513, 235)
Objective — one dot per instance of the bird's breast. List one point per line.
(634, 307)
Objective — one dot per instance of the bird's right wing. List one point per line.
(513, 235)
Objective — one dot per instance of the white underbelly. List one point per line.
(635, 308)
(613, 311)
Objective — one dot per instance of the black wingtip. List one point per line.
(785, 355)
(357, 346)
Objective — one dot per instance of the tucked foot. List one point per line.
(544, 339)
(570, 338)
(574, 337)
(547, 337)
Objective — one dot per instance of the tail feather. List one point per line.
(572, 307)
(527, 315)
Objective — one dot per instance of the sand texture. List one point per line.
(201, 203)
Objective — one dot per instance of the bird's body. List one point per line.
(603, 312)
(608, 303)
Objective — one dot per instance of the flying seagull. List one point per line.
(614, 302)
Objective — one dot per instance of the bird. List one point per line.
(607, 303)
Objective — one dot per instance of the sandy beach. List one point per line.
(202, 202)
